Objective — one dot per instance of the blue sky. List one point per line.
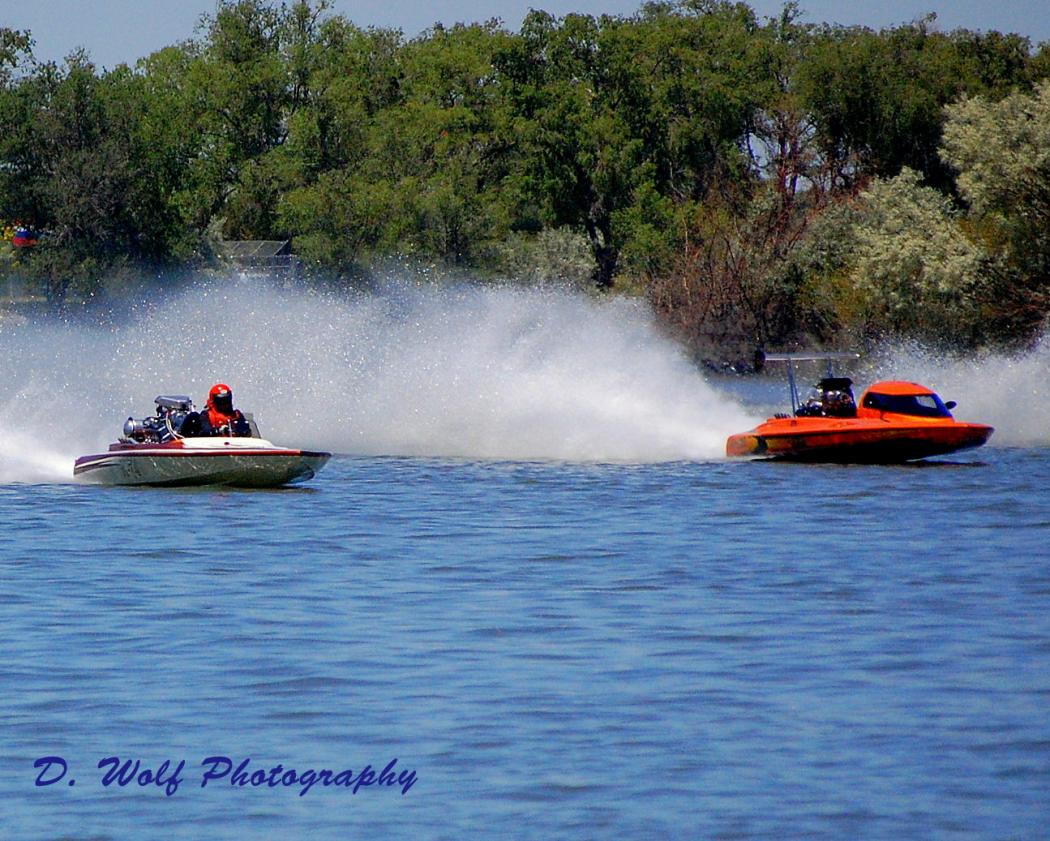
(115, 31)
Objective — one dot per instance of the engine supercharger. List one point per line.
(164, 425)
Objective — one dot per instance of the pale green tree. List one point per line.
(1001, 151)
(913, 263)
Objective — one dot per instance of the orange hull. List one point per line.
(884, 440)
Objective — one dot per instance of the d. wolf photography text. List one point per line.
(224, 772)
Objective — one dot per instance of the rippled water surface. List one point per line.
(681, 650)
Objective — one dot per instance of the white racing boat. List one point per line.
(152, 452)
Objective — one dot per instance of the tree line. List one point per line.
(763, 182)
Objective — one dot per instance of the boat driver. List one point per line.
(218, 418)
(832, 397)
(839, 404)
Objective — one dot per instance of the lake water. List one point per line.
(558, 651)
(633, 646)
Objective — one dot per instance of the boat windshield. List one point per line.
(924, 405)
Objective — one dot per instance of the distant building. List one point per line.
(260, 256)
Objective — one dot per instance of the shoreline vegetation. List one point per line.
(763, 183)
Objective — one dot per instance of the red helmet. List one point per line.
(221, 397)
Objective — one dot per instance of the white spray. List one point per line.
(1010, 392)
(468, 370)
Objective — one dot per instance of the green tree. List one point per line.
(914, 265)
(615, 111)
(428, 174)
(16, 46)
(878, 98)
(1001, 151)
(249, 77)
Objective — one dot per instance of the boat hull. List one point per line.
(856, 441)
(242, 467)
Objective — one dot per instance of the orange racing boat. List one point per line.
(893, 422)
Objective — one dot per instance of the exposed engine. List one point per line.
(164, 425)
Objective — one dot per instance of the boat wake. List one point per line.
(23, 458)
(472, 371)
(413, 369)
